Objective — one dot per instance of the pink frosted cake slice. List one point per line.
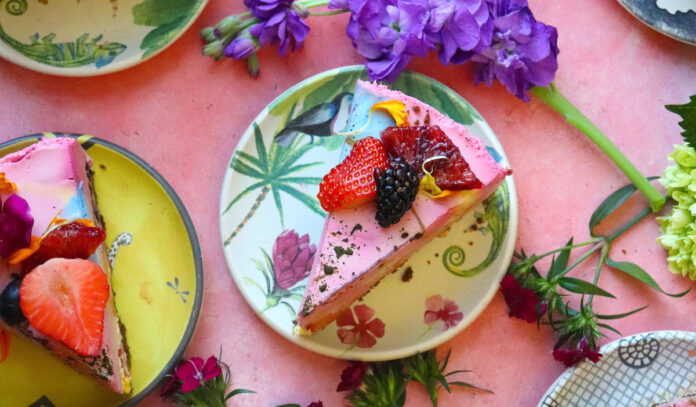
(686, 401)
(55, 179)
(355, 252)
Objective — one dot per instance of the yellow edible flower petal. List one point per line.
(395, 108)
(6, 185)
(428, 184)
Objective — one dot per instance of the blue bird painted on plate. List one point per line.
(317, 121)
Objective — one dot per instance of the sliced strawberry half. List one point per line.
(418, 143)
(352, 183)
(65, 299)
(70, 241)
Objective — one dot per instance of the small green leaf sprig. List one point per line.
(579, 329)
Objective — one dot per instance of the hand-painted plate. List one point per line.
(269, 194)
(86, 38)
(636, 371)
(157, 282)
(673, 18)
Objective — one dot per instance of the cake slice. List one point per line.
(59, 302)
(686, 401)
(355, 252)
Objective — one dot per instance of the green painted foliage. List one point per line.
(168, 16)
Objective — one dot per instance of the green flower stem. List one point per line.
(573, 246)
(314, 3)
(602, 258)
(581, 258)
(551, 96)
(328, 13)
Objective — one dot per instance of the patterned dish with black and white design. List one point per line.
(673, 18)
(636, 371)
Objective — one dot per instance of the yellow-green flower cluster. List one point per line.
(679, 227)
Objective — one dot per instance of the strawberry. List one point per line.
(71, 241)
(351, 183)
(65, 299)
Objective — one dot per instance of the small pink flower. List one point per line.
(292, 258)
(571, 357)
(195, 372)
(352, 376)
(364, 330)
(439, 309)
(522, 302)
(316, 404)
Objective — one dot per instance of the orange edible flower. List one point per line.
(22, 254)
(396, 109)
(6, 185)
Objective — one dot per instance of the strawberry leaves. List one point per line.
(687, 111)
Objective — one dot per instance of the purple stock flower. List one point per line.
(523, 51)
(15, 224)
(279, 24)
(292, 258)
(460, 27)
(241, 47)
(388, 33)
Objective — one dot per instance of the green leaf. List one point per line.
(301, 180)
(471, 386)
(238, 391)
(279, 204)
(330, 89)
(290, 405)
(300, 167)
(309, 201)
(558, 265)
(619, 316)
(687, 112)
(260, 147)
(284, 102)
(161, 12)
(641, 275)
(242, 194)
(255, 284)
(610, 204)
(609, 327)
(161, 36)
(575, 285)
(245, 169)
(253, 161)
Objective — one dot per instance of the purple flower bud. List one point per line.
(241, 47)
(292, 258)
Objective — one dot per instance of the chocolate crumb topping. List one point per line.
(322, 288)
(328, 270)
(408, 275)
(416, 109)
(356, 228)
(340, 251)
(418, 235)
(404, 235)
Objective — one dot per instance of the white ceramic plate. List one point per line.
(269, 189)
(636, 371)
(93, 37)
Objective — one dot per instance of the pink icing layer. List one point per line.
(688, 401)
(47, 174)
(375, 248)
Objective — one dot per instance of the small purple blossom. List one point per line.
(292, 258)
(194, 372)
(523, 51)
(460, 28)
(388, 33)
(15, 225)
(279, 23)
(241, 47)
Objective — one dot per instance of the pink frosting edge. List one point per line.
(44, 142)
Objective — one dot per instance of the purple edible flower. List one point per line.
(241, 47)
(523, 51)
(292, 258)
(15, 224)
(460, 27)
(279, 24)
(388, 33)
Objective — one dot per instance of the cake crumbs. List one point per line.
(356, 228)
(404, 235)
(340, 251)
(408, 275)
(329, 270)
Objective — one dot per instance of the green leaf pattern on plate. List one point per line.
(168, 16)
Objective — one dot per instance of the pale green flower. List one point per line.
(678, 227)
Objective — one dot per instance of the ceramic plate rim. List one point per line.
(87, 71)
(372, 355)
(632, 10)
(193, 240)
(564, 377)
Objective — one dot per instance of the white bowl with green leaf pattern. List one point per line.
(94, 37)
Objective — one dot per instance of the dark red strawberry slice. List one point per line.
(71, 241)
(65, 299)
(418, 143)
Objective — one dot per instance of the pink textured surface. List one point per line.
(184, 114)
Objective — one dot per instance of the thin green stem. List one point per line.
(551, 96)
(600, 264)
(581, 258)
(572, 246)
(328, 13)
(645, 212)
(314, 3)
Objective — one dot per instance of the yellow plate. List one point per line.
(157, 280)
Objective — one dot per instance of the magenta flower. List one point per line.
(522, 302)
(364, 331)
(439, 309)
(170, 387)
(571, 357)
(316, 404)
(523, 51)
(194, 372)
(292, 258)
(15, 225)
(352, 376)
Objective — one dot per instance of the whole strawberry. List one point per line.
(352, 183)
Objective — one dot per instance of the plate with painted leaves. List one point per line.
(86, 38)
(271, 222)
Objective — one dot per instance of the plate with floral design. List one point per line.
(157, 283)
(86, 38)
(271, 222)
(636, 371)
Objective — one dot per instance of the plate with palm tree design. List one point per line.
(87, 38)
(271, 223)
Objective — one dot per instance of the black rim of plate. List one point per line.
(680, 26)
(193, 239)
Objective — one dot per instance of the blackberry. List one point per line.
(397, 187)
(10, 310)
